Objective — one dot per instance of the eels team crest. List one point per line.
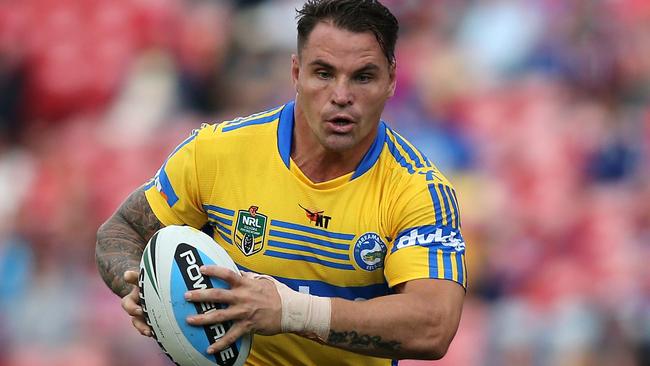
(250, 230)
(369, 252)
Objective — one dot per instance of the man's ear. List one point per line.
(392, 70)
(295, 70)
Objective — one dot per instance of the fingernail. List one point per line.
(210, 350)
(188, 295)
(202, 269)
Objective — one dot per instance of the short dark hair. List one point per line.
(356, 16)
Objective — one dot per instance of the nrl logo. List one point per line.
(250, 230)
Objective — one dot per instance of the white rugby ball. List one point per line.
(170, 267)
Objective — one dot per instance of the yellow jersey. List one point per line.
(394, 219)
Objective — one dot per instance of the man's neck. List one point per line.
(315, 161)
(323, 166)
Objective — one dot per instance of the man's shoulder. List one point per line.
(259, 124)
(253, 122)
(409, 164)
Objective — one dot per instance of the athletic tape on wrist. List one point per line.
(303, 313)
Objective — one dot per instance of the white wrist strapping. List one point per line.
(303, 313)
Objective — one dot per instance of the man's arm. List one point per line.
(418, 322)
(121, 241)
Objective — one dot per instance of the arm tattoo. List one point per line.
(121, 240)
(361, 341)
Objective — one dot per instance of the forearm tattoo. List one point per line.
(121, 240)
(361, 341)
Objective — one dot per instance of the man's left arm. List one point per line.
(417, 322)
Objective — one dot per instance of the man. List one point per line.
(356, 231)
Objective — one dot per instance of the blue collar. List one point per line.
(285, 136)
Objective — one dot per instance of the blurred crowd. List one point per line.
(537, 110)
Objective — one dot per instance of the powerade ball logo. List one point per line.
(189, 261)
(369, 252)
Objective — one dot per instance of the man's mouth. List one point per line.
(340, 124)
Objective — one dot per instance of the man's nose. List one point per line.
(342, 95)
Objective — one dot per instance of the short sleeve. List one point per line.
(427, 239)
(173, 193)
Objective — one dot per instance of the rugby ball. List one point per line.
(170, 267)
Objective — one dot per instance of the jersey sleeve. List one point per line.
(174, 193)
(427, 239)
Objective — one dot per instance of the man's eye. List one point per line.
(323, 74)
(364, 78)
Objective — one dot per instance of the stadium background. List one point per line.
(537, 110)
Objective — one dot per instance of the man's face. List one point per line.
(343, 81)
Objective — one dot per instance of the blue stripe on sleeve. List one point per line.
(185, 142)
(446, 260)
(149, 185)
(411, 153)
(165, 183)
(166, 187)
(436, 204)
(398, 156)
(454, 204)
(426, 160)
(445, 200)
(461, 268)
(453, 192)
(240, 120)
(433, 262)
(253, 121)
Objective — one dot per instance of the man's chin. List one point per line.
(339, 143)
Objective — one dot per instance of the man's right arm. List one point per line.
(121, 241)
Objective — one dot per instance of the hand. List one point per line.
(253, 304)
(131, 304)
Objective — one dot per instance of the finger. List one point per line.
(251, 275)
(256, 276)
(237, 330)
(222, 273)
(131, 303)
(141, 325)
(217, 295)
(216, 316)
(131, 277)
